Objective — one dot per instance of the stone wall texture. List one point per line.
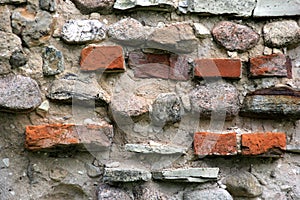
(149, 100)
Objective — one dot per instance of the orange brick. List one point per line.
(263, 143)
(206, 143)
(218, 67)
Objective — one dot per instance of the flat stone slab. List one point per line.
(270, 8)
(197, 175)
(125, 175)
(153, 147)
(156, 4)
(294, 148)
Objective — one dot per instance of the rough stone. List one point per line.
(281, 33)
(17, 59)
(12, 1)
(206, 101)
(273, 103)
(59, 136)
(234, 7)
(271, 65)
(19, 94)
(107, 192)
(218, 67)
(92, 171)
(201, 31)
(49, 5)
(103, 58)
(5, 23)
(265, 144)
(125, 175)
(235, 37)
(243, 184)
(43, 109)
(34, 28)
(89, 6)
(83, 31)
(166, 108)
(53, 61)
(155, 4)
(269, 8)
(176, 38)
(129, 31)
(154, 147)
(196, 175)
(208, 194)
(295, 148)
(206, 143)
(147, 192)
(58, 174)
(77, 88)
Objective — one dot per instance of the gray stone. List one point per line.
(83, 31)
(49, 5)
(17, 59)
(208, 194)
(5, 23)
(201, 31)
(83, 89)
(206, 101)
(106, 192)
(92, 171)
(125, 175)
(129, 31)
(234, 7)
(269, 8)
(176, 38)
(53, 61)
(281, 33)
(89, 6)
(153, 147)
(19, 94)
(12, 1)
(148, 192)
(243, 184)
(235, 37)
(34, 28)
(273, 103)
(58, 174)
(166, 108)
(196, 175)
(295, 148)
(156, 4)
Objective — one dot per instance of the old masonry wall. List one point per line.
(149, 100)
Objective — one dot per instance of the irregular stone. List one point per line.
(53, 61)
(271, 65)
(273, 103)
(59, 136)
(5, 23)
(201, 31)
(265, 144)
(154, 147)
(90, 6)
(9, 43)
(294, 148)
(125, 175)
(19, 94)
(196, 175)
(12, 1)
(34, 28)
(243, 184)
(92, 171)
(148, 192)
(58, 174)
(206, 101)
(218, 67)
(17, 59)
(49, 5)
(77, 88)
(269, 8)
(209, 194)
(83, 31)
(281, 33)
(235, 37)
(43, 109)
(130, 32)
(163, 5)
(103, 58)
(176, 38)
(107, 192)
(206, 143)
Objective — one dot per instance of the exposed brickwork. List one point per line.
(107, 58)
(263, 143)
(218, 67)
(206, 143)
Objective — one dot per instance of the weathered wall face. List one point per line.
(142, 100)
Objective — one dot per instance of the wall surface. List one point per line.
(149, 100)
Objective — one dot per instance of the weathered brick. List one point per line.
(271, 65)
(207, 143)
(263, 143)
(218, 67)
(107, 58)
(51, 136)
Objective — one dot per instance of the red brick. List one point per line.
(206, 143)
(218, 67)
(263, 143)
(102, 58)
(42, 137)
(271, 65)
